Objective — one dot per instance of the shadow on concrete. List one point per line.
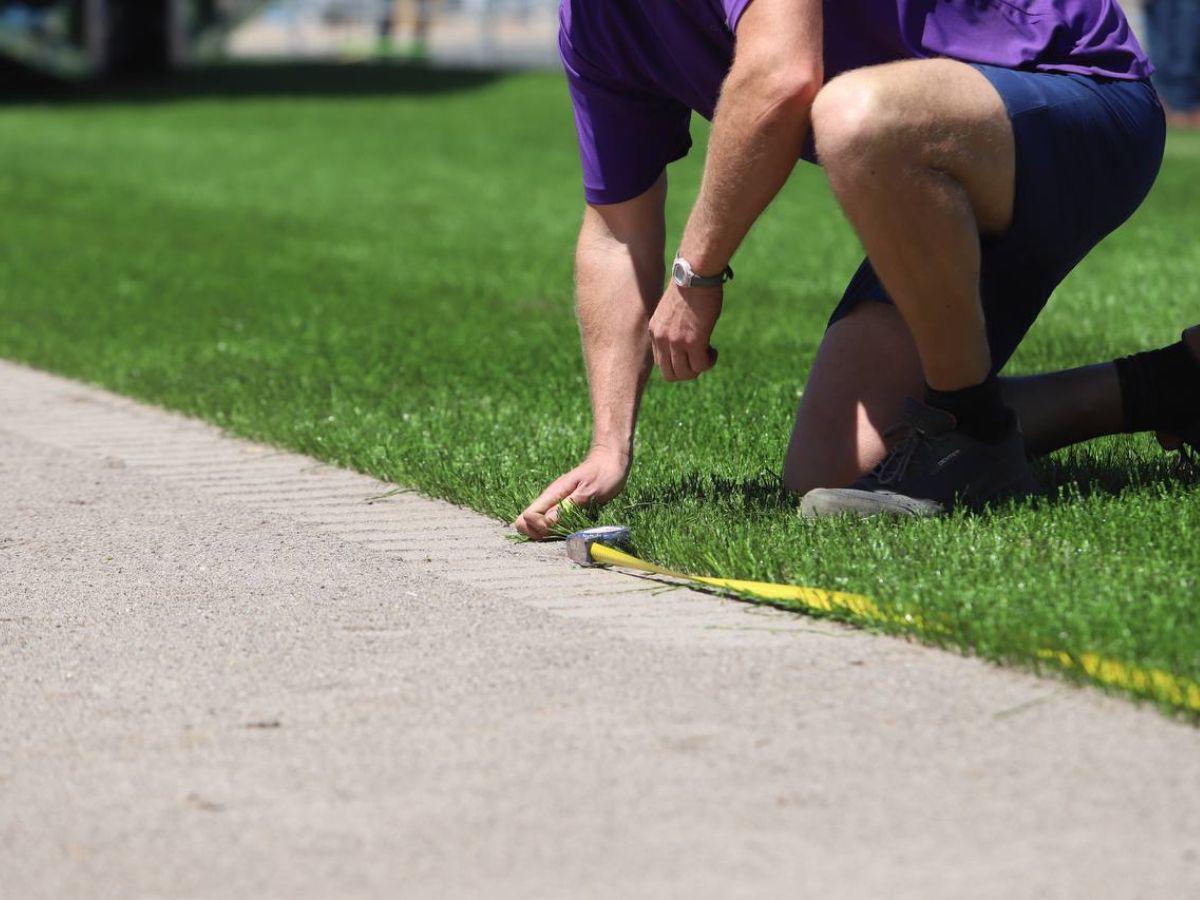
(243, 81)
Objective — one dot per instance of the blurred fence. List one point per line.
(492, 33)
(89, 37)
(86, 38)
(83, 38)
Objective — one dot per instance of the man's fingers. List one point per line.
(657, 349)
(538, 524)
(541, 515)
(583, 496)
(544, 522)
(590, 484)
(681, 360)
(525, 524)
(700, 359)
(535, 525)
(665, 363)
(557, 490)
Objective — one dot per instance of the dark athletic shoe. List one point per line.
(931, 470)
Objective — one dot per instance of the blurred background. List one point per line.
(85, 39)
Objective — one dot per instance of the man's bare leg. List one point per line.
(867, 365)
(865, 368)
(921, 156)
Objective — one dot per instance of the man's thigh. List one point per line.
(1086, 153)
(865, 368)
(931, 114)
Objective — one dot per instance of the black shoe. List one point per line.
(931, 470)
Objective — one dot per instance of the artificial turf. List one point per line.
(373, 266)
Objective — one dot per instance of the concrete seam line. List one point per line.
(431, 536)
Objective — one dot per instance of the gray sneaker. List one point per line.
(931, 470)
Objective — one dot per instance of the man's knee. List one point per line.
(853, 118)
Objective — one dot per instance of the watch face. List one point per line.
(679, 274)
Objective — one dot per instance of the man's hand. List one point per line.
(618, 276)
(681, 329)
(592, 483)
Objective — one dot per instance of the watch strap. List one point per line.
(683, 275)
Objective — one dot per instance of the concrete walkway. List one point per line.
(224, 673)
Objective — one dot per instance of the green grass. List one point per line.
(375, 268)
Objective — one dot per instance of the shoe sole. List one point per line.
(826, 502)
(823, 503)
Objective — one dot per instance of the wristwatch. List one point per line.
(682, 275)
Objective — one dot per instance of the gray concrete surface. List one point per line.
(224, 674)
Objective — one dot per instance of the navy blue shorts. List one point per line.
(1088, 150)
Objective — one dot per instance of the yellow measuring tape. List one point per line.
(1158, 684)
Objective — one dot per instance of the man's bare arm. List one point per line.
(759, 128)
(618, 279)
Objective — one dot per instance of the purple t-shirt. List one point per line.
(638, 68)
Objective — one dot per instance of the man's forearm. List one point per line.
(618, 276)
(617, 285)
(758, 134)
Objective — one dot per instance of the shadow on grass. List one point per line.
(1064, 477)
(761, 493)
(1079, 474)
(241, 81)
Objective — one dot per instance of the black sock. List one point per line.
(979, 410)
(1160, 389)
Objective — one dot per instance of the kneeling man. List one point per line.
(979, 148)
